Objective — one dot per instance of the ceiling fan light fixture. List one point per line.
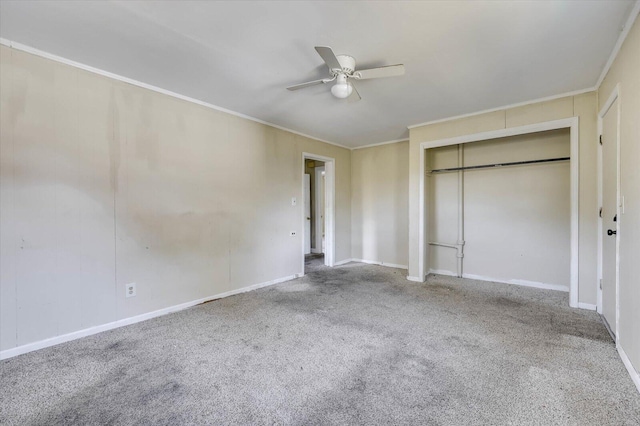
(342, 89)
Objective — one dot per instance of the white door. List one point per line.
(609, 215)
(319, 210)
(307, 213)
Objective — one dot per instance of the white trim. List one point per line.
(422, 237)
(506, 107)
(442, 272)
(523, 283)
(615, 95)
(414, 279)
(610, 100)
(46, 55)
(588, 306)
(318, 209)
(329, 207)
(621, 38)
(343, 262)
(571, 123)
(380, 143)
(574, 164)
(9, 353)
(501, 133)
(599, 242)
(375, 262)
(627, 363)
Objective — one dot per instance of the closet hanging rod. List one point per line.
(488, 166)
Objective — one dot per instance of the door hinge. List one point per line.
(600, 139)
(600, 214)
(600, 283)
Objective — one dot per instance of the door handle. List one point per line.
(611, 232)
(308, 218)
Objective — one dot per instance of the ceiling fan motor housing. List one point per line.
(348, 63)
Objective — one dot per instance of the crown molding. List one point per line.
(504, 107)
(380, 143)
(623, 36)
(616, 49)
(28, 49)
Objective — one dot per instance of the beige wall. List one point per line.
(104, 183)
(626, 72)
(582, 106)
(516, 219)
(379, 203)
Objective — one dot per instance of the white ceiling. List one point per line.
(460, 57)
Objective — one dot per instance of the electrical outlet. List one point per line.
(130, 290)
(293, 233)
(294, 201)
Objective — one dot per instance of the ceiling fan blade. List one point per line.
(387, 71)
(355, 96)
(329, 57)
(307, 84)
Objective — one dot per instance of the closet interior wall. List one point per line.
(507, 223)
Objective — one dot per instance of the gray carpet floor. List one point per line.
(356, 344)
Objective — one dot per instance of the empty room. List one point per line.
(320, 212)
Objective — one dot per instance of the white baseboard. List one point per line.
(315, 250)
(588, 306)
(627, 363)
(414, 279)
(442, 272)
(371, 262)
(10, 353)
(375, 262)
(523, 283)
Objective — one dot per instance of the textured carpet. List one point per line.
(356, 344)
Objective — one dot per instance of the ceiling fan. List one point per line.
(342, 69)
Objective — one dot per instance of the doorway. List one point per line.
(317, 218)
(318, 212)
(499, 210)
(609, 215)
(421, 268)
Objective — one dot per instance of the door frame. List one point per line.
(306, 191)
(615, 95)
(329, 208)
(572, 124)
(316, 209)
